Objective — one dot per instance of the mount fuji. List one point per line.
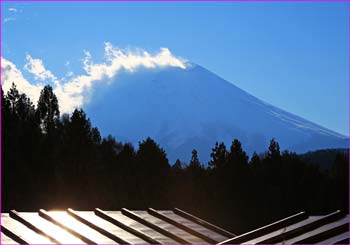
(183, 109)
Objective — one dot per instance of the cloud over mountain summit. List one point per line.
(75, 90)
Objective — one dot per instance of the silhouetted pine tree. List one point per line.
(219, 156)
(48, 109)
(274, 150)
(255, 160)
(153, 174)
(195, 165)
(237, 157)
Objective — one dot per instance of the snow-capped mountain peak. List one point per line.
(189, 108)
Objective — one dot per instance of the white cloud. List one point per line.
(10, 73)
(73, 91)
(37, 68)
(13, 10)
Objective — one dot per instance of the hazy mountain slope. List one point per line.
(191, 108)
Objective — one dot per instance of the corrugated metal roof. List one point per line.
(300, 229)
(162, 226)
(108, 227)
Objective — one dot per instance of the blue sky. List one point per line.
(292, 55)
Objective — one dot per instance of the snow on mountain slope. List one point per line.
(191, 108)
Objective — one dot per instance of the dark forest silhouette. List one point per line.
(55, 162)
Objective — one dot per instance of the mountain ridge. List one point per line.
(191, 108)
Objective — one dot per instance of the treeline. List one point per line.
(54, 162)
